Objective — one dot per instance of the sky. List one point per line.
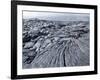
(56, 16)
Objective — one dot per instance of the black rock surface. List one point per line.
(54, 44)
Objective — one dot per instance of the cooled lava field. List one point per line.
(55, 43)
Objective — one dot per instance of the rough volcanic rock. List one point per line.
(54, 44)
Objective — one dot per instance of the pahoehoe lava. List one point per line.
(55, 43)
